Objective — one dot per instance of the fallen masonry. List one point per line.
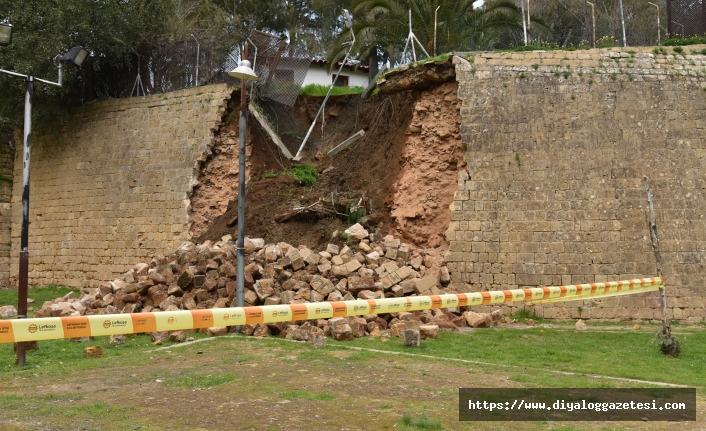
(203, 276)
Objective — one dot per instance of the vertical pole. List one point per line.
(198, 49)
(24, 235)
(524, 20)
(240, 258)
(593, 16)
(622, 20)
(669, 19)
(529, 21)
(586, 30)
(435, 16)
(659, 37)
(411, 39)
(659, 41)
(666, 327)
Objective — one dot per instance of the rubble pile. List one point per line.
(203, 276)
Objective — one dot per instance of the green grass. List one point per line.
(66, 410)
(528, 48)
(442, 57)
(55, 356)
(306, 174)
(546, 47)
(423, 422)
(39, 294)
(301, 394)
(321, 90)
(696, 40)
(628, 354)
(270, 175)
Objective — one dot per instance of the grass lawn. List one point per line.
(621, 353)
(275, 384)
(321, 90)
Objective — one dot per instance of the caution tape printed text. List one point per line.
(49, 328)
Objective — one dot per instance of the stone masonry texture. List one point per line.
(112, 188)
(557, 146)
(6, 163)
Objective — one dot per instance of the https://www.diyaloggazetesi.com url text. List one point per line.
(580, 404)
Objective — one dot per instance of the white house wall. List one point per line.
(318, 75)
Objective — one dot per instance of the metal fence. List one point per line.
(195, 61)
(166, 67)
(687, 18)
(280, 67)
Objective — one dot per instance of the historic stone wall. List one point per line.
(557, 146)
(112, 188)
(6, 164)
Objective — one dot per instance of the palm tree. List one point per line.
(383, 25)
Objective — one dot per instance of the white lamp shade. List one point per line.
(347, 18)
(76, 55)
(243, 72)
(82, 54)
(5, 33)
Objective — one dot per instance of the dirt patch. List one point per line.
(365, 170)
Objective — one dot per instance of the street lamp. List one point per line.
(244, 73)
(5, 33)
(75, 55)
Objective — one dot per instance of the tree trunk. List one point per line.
(373, 62)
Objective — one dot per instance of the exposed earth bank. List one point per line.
(403, 171)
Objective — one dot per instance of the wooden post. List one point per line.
(669, 345)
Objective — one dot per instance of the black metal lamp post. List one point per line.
(75, 55)
(244, 73)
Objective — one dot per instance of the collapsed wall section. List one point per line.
(112, 187)
(433, 153)
(557, 147)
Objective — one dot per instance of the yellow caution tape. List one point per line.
(49, 328)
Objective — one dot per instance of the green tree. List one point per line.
(311, 24)
(120, 34)
(111, 29)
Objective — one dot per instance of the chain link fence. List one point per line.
(687, 18)
(281, 67)
(205, 60)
